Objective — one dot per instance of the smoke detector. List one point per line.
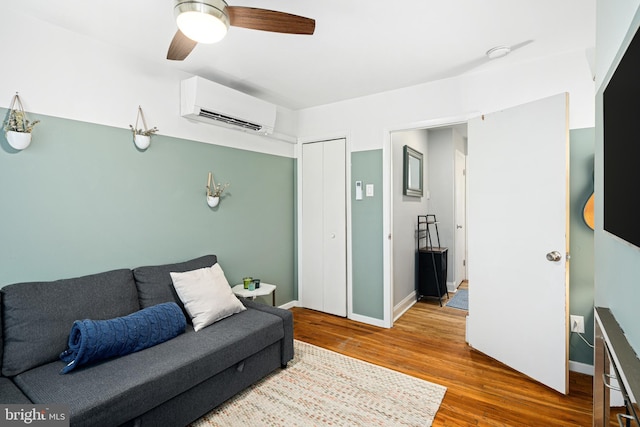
(498, 52)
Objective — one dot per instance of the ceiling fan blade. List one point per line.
(181, 46)
(270, 20)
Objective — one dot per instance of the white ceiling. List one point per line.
(360, 47)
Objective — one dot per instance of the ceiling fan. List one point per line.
(207, 21)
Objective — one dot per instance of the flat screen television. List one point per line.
(621, 109)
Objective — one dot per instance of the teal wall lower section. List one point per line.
(617, 264)
(82, 199)
(367, 229)
(581, 270)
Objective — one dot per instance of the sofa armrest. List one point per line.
(10, 393)
(287, 323)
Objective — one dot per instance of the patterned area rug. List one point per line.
(321, 387)
(460, 300)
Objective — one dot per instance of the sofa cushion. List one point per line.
(206, 295)
(10, 394)
(154, 282)
(37, 316)
(117, 390)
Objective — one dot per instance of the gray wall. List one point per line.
(405, 212)
(82, 199)
(443, 144)
(617, 264)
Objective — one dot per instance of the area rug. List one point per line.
(460, 300)
(321, 388)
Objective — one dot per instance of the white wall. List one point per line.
(62, 74)
(366, 119)
(612, 23)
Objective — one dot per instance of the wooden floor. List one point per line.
(429, 342)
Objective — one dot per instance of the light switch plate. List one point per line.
(369, 190)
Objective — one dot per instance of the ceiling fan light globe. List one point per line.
(203, 21)
(201, 27)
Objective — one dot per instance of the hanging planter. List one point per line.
(142, 137)
(18, 140)
(214, 191)
(17, 127)
(213, 201)
(142, 141)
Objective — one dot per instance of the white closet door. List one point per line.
(323, 278)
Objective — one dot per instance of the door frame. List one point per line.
(298, 157)
(387, 201)
(457, 250)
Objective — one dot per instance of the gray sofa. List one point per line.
(170, 384)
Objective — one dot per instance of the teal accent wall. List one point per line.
(581, 276)
(367, 229)
(82, 199)
(617, 264)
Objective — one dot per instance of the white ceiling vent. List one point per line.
(210, 102)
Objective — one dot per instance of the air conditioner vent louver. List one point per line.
(210, 102)
(230, 120)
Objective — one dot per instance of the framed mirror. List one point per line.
(412, 172)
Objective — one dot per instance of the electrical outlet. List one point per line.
(577, 323)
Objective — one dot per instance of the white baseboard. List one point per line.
(580, 367)
(404, 305)
(368, 320)
(290, 304)
(356, 317)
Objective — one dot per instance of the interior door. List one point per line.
(517, 169)
(460, 232)
(323, 256)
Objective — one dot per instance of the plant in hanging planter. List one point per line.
(218, 189)
(142, 137)
(17, 127)
(143, 132)
(214, 191)
(18, 122)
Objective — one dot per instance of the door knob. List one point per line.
(458, 226)
(554, 256)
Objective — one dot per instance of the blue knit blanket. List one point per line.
(93, 340)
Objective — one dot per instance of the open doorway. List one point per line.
(515, 155)
(444, 151)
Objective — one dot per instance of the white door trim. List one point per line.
(460, 252)
(387, 202)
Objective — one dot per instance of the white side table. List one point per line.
(264, 290)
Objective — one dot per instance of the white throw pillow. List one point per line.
(206, 295)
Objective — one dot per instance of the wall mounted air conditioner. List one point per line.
(210, 102)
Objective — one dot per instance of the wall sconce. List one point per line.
(214, 191)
